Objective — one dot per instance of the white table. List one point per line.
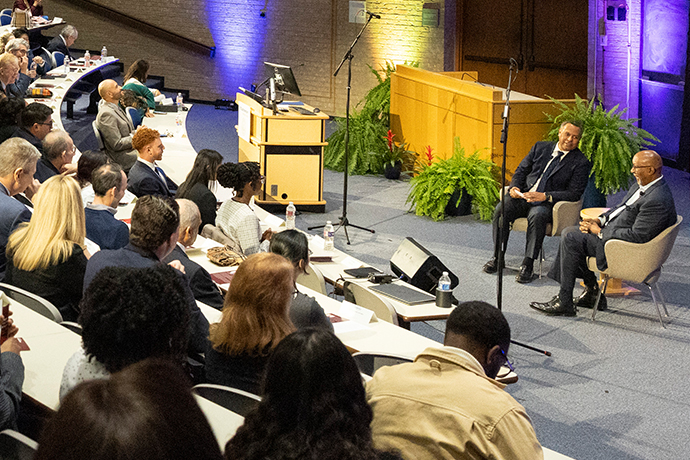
(224, 422)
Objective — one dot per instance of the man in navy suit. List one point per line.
(551, 172)
(646, 211)
(145, 177)
(17, 167)
(68, 35)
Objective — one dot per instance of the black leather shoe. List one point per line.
(588, 297)
(524, 275)
(491, 266)
(554, 307)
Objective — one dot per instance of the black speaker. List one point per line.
(419, 267)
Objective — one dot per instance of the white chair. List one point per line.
(32, 301)
(134, 116)
(7, 11)
(368, 363)
(237, 401)
(369, 300)
(637, 263)
(313, 279)
(58, 58)
(97, 133)
(16, 446)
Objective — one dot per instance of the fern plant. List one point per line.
(609, 141)
(368, 129)
(435, 183)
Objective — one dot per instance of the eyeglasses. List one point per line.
(507, 363)
(46, 124)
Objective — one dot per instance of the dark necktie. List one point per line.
(161, 176)
(545, 176)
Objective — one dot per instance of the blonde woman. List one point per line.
(47, 255)
(255, 319)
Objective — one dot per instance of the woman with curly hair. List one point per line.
(313, 406)
(127, 315)
(235, 217)
(255, 319)
(47, 256)
(197, 186)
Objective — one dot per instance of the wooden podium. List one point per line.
(289, 148)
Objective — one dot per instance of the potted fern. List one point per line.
(436, 182)
(609, 141)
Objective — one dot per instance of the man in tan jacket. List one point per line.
(447, 405)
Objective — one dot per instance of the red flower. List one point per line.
(429, 155)
(389, 139)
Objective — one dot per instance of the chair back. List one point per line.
(369, 300)
(237, 401)
(313, 279)
(32, 301)
(5, 19)
(368, 363)
(58, 58)
(99, 138)
(7, 11)
(16, 446)
(639, 263)
(48, 56)
(134, 116)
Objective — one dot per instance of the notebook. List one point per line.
(403, 293)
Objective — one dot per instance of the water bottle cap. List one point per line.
(328, 222)
(445, 273)
(291, 204)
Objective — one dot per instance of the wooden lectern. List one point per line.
(289, 148)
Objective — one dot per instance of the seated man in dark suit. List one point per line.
(551, 172)
(646, 211)
(20, 49)
(58, 152)
(145, 177)
(203, 287)
(17, 167)
(35, 122)
(68, 35)
(109, 185)
(153, 236)
(9, 73)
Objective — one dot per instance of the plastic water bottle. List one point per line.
(66, 62)
(328, 233)
(290, 216)
(104, 54)
(444, 282)
(87, 59)
(179, 100)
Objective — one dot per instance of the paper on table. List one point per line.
(356, 313)
(274, 222)
(351, 262)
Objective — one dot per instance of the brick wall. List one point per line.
(309, 35)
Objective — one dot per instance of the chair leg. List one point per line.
(661, 297)
(656, 304)
(541, 260)
(601, 291)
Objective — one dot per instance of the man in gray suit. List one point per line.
(115, 128)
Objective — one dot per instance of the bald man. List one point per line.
(646, 211)
(115, 128)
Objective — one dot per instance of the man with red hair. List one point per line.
(145, 177)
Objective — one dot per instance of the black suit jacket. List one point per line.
(203, 287)
(57, 44)
(142, 180)
(568, 180)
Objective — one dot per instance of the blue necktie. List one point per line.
(162, 176)
(545, 176)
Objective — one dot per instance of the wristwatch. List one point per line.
(549, 198)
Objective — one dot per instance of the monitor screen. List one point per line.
(284, 78)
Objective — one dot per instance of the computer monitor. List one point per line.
(283, 77)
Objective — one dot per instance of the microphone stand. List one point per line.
(344, 222)
(503, 228)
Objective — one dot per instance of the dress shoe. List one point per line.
(588, 297)
(524, 275)
(554, 307)
(491, 266)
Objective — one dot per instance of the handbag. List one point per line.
(224, 256)
(21, 19)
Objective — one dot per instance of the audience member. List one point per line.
(145, 177)
(197, 185)
(9, 72)
(11, 376)
(17, 167)
(128, 315)
(153, 235)
(203, 287)
(10, 108)
(58, 152)
(235, 217)
(89, 161)
(20, 49)
(68, 35)
(145, 411)
(255, 319)
(47, 256)
(35, 7)
(447, 404)
(305, 311)
(646, 211)
(35, 122)
(114, 126)
(109, 184)
(313, 405)
(135, 80)
(42, 66)
(551, 172)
